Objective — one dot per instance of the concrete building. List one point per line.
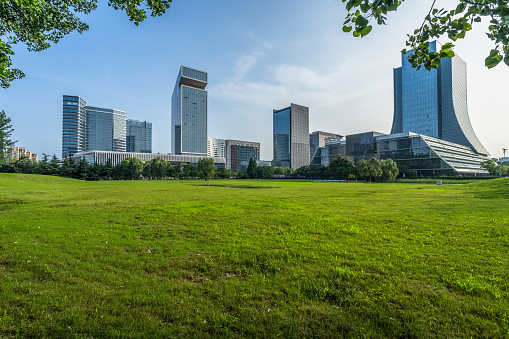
(189, 113)
(102, 157)
(15, 153)
(291, 136)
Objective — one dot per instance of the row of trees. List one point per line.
(129, 169)
(495, 169)
(340, 168)
(134, 169)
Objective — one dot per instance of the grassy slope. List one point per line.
(163, 258)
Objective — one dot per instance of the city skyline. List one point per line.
(252, 67)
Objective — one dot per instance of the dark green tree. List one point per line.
(68, 168)
(374, 168)
(5, 134)
(159, 168)
(454, 23)
(224, 173)
(490, 166)
(265, 172)
(82, 170)
(389, 170)
(129, 169)
(362, 169)
(24, 165)
(189, 172)
(206, 168)
(54, 165)
(40, 23)
(342, 167)
(252, 169)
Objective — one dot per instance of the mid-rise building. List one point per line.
(88, 128)
(189, 113)
(216, 147)
(434, 103)
(291, 136)
(102, 157)
(239, 152)
(319, 139)
(15, 153)
(138, 136)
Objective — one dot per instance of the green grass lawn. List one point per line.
(139, 259)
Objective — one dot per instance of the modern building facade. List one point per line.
(319, 139)
(330, 151)
(434, 103)
(238, 152)
(86, 128)
(102, 157)
(429, 156)
(216, 147)
(106, 129)
(291, 136)
(189, 113)
(138, 136)
(74, 125)
(362, 146)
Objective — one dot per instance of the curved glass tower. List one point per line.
(434, 103)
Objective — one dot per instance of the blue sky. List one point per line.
(259, 56)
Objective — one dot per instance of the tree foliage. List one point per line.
(342, 167)
(494, 169)
(454, 23)
(389, 170)
(206, 168)
(40, 23)
(5, 136)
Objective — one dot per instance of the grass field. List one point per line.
(139, 259)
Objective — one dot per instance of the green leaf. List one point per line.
(361, 21)
(347, 29)
(366, 30)
(491, 62)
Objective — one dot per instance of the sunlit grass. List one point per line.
(297, 259)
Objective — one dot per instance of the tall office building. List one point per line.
(434, 103)
(189, 113)
(74, 125)
(291, 136)
(88, 128)
(138, 136)
(238, 152)
(319, 139)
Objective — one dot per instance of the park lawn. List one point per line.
(139, 259)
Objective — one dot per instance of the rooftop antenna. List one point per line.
(504, 150)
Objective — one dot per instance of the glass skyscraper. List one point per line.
(434, 103)
(291, 136)
(139, 136)
(74, 125)
(87, 128)
(189, 113)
